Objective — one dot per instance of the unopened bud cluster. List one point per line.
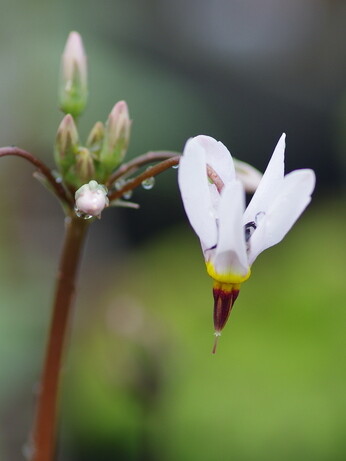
(106, 145)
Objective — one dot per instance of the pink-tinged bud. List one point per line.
(248, 175)
(117, 137)
(95, 138)
(73, 86)
(91, 199)
(224, 297)
(66, 143)
(85, 168)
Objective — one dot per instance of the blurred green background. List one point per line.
(140, 382)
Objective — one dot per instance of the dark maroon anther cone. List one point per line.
(223, 303)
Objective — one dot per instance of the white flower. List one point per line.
(232, 237)
(91, 199)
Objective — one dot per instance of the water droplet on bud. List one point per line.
(148, 183)
(175, 167)
(81, 214)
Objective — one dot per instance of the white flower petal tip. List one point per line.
(217, 156)
(282, 212)
(91, 199)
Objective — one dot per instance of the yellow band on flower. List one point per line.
(226, 278)
(226, 287)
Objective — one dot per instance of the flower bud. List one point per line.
(66, 144)
(73, 92)
(117, 136)
(91, 199)
(95, 138)
(85, 168)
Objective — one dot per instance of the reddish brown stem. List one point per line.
(41, 167)
(137, 181)
(44, 431)
(157, 169)
(139, 161)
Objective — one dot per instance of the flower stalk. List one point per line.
(55, 185)
(137, 162)
(137, 181)
(44, 431)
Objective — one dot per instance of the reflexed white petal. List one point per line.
(230, 254)
(249, 176)
(270, 183)
(194, 188)
(283, 212)
(215, 198)
(218, 157)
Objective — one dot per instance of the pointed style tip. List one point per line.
(216, 341)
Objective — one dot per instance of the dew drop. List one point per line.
(148, 183)
(119, 184)
(175, 167)
(259, 216)
(128, 194)
(58, 179)
(81, 214)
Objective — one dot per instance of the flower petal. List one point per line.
(270, 183)
(218, 157)
(230, 255)
(284, 211)
(194, 188)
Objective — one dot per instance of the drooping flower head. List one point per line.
(231, 236)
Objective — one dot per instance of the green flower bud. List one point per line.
(84, 167)
(73, 91)
(116, 139)
(66, 144)
(95, 138)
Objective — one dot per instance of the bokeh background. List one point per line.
(140, 382)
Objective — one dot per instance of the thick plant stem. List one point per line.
(44, 431)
